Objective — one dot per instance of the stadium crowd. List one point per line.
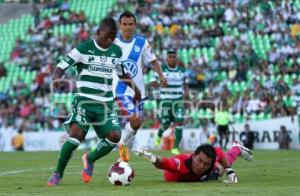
(245, 52)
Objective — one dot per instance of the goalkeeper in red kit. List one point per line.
(205, 163)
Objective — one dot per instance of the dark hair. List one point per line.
(127, 14)
(172, 52)
(109, 23)
(210, 152)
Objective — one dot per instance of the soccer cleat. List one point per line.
(124, 152)
(147, 155)
(87, 171)
(245, 152)
(54, 180)
(157, 141)
(175, 151)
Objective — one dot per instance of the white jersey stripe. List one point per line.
(95, 97)
(88, 73)
(93, 85)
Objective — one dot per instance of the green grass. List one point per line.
(25, 173)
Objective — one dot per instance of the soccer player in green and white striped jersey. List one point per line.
(95, 61)
(171, 99)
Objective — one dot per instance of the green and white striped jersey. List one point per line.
(176, 78)
(95, 67)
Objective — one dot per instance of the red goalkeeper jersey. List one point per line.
(178, 168)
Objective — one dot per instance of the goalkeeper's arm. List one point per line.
(169, 164)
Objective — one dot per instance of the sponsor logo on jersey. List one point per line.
(103, 58)
(130, 67)
(101, 68)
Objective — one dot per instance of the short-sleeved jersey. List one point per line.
(176, 78)
(178, 168)
(95, 66)
(135, 52)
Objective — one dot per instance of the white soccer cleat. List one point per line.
(245, 152)
(148, 155)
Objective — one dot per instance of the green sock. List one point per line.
(65, 154)
(160, 132)
(104, 147)
(178, 136)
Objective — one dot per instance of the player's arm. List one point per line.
(128, 81)
(185, 88)
(158, 70)
(154, 81)
(169, 164)
(231, 176)
(69, 60)
(151, 58)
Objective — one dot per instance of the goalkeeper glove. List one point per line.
(148, 155)
(231, 176)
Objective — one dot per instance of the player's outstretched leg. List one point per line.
(164, 126)
(123, 148)
(65, 154)
(245, 152)
(104, 147)
(157, 140)
(178, 136)
(131, 127)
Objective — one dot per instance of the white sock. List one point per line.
(127, 133)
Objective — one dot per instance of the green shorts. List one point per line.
(101, 116)
(171, 111)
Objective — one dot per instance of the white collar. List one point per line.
(99, 47)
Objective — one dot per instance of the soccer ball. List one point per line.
(120, 173)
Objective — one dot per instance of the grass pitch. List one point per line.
(26, 173)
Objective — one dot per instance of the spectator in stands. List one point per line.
(284, 138)
(2, 70)
(240, 39)
(247, 137)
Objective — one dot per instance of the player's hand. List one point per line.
(137, 96)
(147, 155)
(231, 176)
(58, 83)
(164, 82)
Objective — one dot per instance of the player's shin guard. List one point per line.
(178, 136)
(104, 147)
(65, 154)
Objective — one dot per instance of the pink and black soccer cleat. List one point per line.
(245, 152)
(87, 171)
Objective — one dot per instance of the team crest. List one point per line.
(103, 58)
(115, 122)
(137, 49)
